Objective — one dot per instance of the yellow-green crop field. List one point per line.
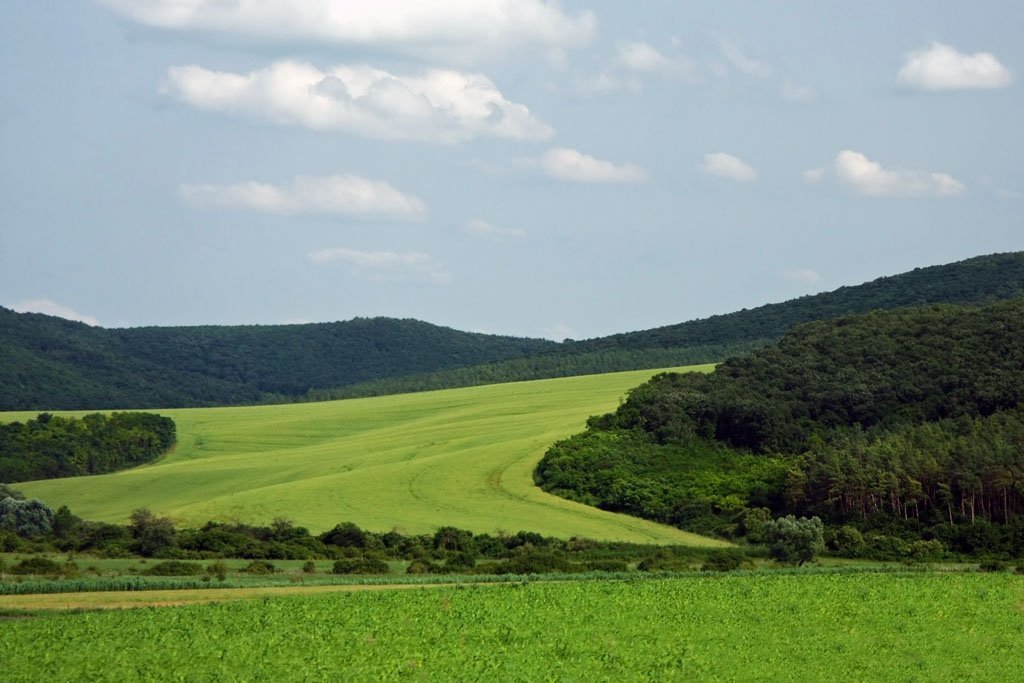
(460, 457)
(922, 626)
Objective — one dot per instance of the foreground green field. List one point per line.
(778, 627)
(461, 457)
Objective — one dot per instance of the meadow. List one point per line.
(415, 462)
(915, 626)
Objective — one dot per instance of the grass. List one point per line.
(770, 627)
(415, 462)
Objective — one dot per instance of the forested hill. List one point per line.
(977, 280)
(909, 421)
(51, 363)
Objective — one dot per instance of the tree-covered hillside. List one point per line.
(51, 363)
(911, 421)
(978, 280)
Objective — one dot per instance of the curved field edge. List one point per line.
(415, 462)
(757, 627)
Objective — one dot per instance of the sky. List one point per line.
(520, 167)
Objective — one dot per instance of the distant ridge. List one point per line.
(978, 280)
(52, 363)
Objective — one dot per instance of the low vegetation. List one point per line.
(781, 627)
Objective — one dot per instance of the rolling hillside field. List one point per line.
(415, 462)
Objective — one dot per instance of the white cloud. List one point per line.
(869, 178)
(483, 228)
(804, 275)
(385, 266)
(727, 166)
(48, 307)
(640, 57)
(799, 94)
(337, 194)
(941, 67)
(463, 30)
(568, 164)
(435, 106)
(747, 65)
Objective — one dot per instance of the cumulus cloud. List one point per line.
(385, 266)
(569, 164)
(463, 30)
(483, 228)
(870, 178)
(336, 194)
(435, 106)
(48, 307)
(727, 166)
(804, 275)
(942, 67)
(745, 64)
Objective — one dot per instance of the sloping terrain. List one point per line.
(417, 462)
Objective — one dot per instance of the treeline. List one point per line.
(355, 551)
(50, 446)
(908, 422)
(51, 363)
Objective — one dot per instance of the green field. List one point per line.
(461, 457)
(770, 627)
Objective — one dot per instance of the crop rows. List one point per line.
(768, 627)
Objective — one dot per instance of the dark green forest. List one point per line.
(50, 446)
(51, 363)
(896, 426)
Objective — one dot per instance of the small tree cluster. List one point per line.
(794, 541)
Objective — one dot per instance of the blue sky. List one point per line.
(508, 166)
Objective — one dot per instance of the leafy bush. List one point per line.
(259, 567)
(37, 566)
(723, 561)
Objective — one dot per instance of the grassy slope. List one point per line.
(461, 457)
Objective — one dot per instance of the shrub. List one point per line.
(259, 567)
(723, 561)
(309, 567)
(36, 565)
(607, 565)
(218, 569)
(422, 567)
